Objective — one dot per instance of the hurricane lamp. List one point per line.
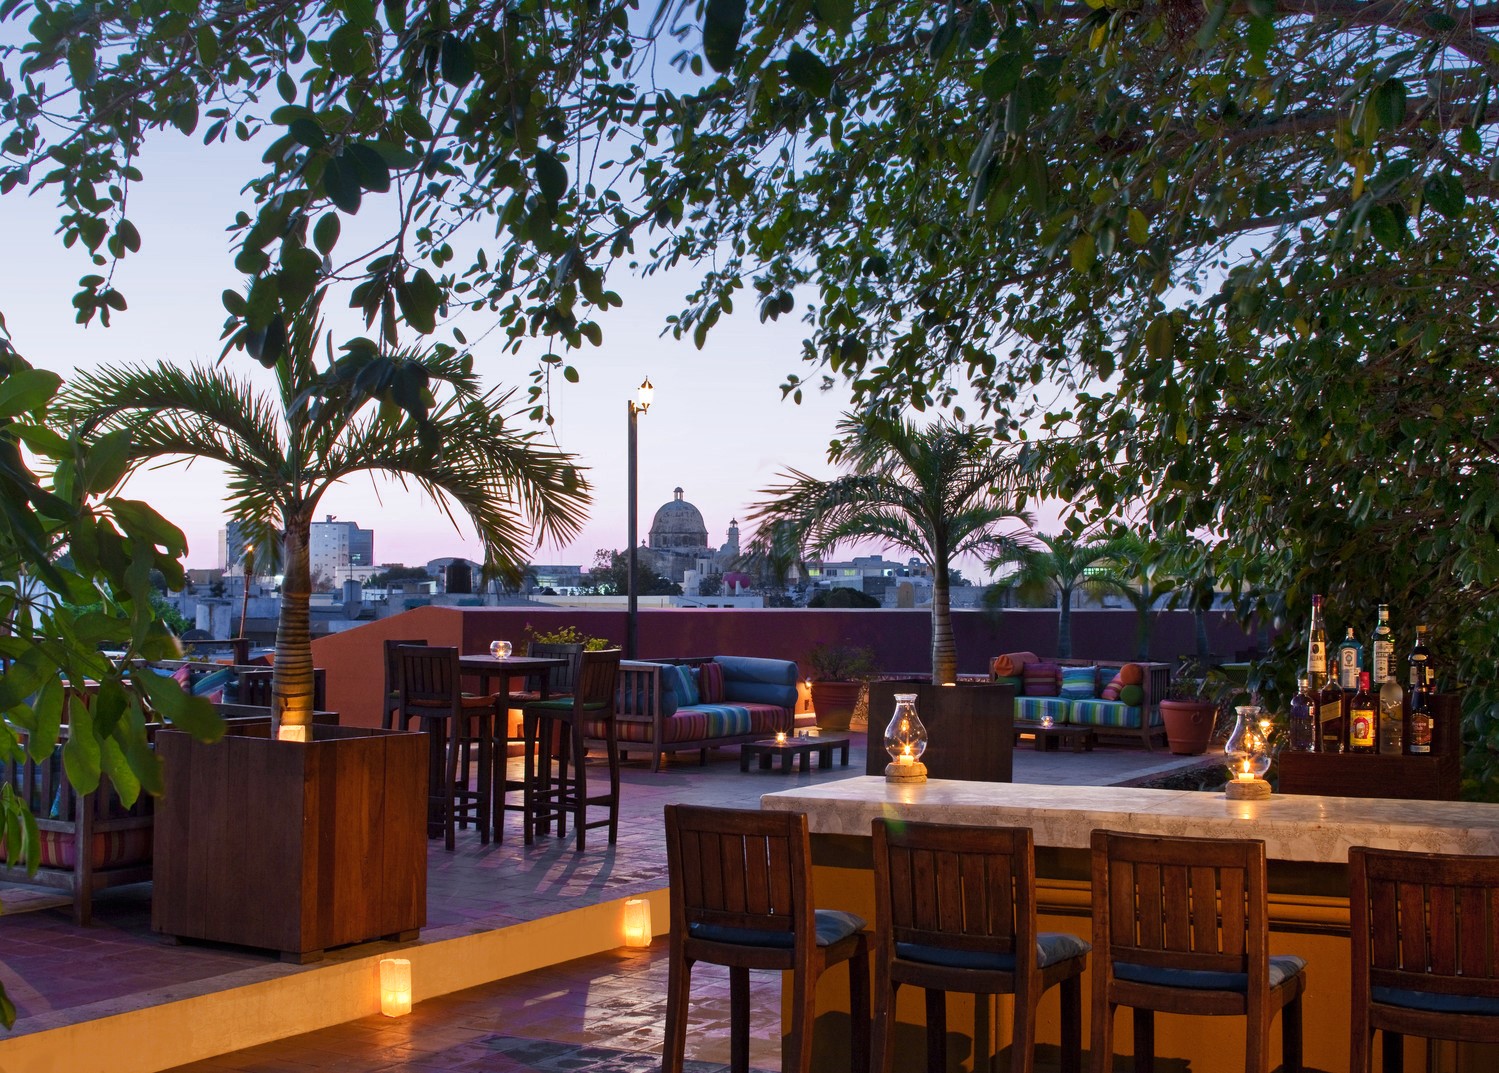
(905, 741)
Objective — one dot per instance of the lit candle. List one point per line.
(1245, 775)
(905, 756)
(780, 737)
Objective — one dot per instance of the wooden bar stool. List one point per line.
(393, 679)
(1425, 950)
(559, 682)
(456, 722)
(955, 910)
(741, 896)
(555, 786)
(1181, 925)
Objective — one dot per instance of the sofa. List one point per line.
(1117, 699)
(667, 707)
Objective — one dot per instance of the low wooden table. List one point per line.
(768, 749)
(1049, 739)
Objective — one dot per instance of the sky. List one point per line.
(718, 427)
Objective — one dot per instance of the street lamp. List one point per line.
(638, 405)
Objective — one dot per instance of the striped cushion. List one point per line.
(703, 722)
(687, 694)
(1116, 683)
(1033, 708)
(1010, 664)
(1042, 679)
(1079, 683)
(710, 683)
(1110, 713)
(111, 849)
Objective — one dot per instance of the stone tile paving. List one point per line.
(58, 973)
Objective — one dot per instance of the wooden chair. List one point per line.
(393, 679)
(955, 910)
(1425, 950)
(560, 727)
(741, 896)
(429, 691)
(1181, 925)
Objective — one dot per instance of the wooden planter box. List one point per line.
(970, 729)
(1436, 776)
(292, 846)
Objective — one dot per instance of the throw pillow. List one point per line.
(1111, 691)
(183, 676)
(1011, 680)
(710, 683)
(211, 685)
(1042, 679)
(1078, 683)
(1010, 664)
(687, 691)
(1134, 696)
(1132, 674)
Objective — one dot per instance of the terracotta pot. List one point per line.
(1189, 725)
(834, 702)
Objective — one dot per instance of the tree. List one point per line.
(398, 573)
(1143, 571)
(284, 451)
(938, 491)
(75, 573)
(611, 573)
(1061, 566)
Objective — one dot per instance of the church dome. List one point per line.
(678, 524)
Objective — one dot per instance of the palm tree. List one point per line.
(937, 491)
(1142, 571)
(1061, 565)
(421, 417)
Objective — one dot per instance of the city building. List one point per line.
(340, 551)
(678, 542)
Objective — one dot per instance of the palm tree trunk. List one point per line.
(944, 648)
(291, 677)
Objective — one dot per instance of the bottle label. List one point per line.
(1361, 732)
(1316, 658)
(1420, 733)
(1348, 668)
(1383, 654)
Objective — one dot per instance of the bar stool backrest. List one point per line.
(969, 889)
(428, 679)
(1182, 903)
(737, 868)
(560, 680)
(1423, 922)
(393, 663)
(597, 673)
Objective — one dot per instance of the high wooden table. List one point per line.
(1306, 840)
(486, 667)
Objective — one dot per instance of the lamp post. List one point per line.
(638, 405)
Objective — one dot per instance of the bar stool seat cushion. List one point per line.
(468, 700)
(566, 705)
(833, 926)
(1052, 948)
(1282, 968)
(1435, 1001)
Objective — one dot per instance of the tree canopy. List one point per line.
(1233, 263)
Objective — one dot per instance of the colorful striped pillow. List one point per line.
(1041, 679)
(710, 683)
(1079, 683)
(1010, 664)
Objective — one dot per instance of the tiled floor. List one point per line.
(57, 973)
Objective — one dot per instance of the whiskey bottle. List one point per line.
(1362, 716)
(1316, 646)
(1421, 715)
(1382, 661)
(1330, 703)
(1306, 733)
(1420, 660)
(1350, 662)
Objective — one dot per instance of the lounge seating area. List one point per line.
(702, 703)
(1119, 700)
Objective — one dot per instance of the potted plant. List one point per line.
(839, 673)
(1190, 709)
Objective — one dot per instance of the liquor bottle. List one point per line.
(1306, 733)
(1421, 721)
(1391, 715)
(1420, 661)
(1330, 704)
(1383, 655)
(1316, 646)
(1350, 662)
(1362, 716)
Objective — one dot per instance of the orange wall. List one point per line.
(354, 660)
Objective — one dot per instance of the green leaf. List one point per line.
(308, 132)
(395, 14)
(723, 23)
(80, 753)
(1139, 227)
(551, 176)
(341, 182)
(27, 391)
(1389, 104)
(1444, 192)
(808, 72)
(370, 166)
(1083, 252)
(106, 463)
(837, 15)
(457, 61)
(1159, 337)
(1002, 75)
(325, 233)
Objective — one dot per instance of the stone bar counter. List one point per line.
(1306, 841)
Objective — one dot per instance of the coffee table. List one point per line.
(768, 749)
(1049, 739)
